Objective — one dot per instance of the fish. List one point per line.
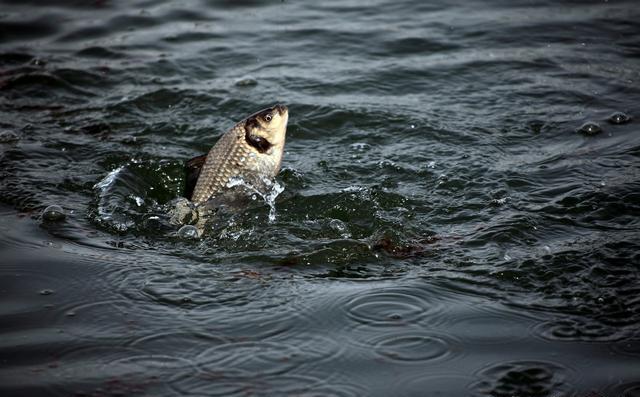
(250, 154)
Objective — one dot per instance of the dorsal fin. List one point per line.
(192, 168)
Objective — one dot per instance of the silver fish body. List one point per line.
(249, 153)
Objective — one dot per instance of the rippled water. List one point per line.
(448, 224)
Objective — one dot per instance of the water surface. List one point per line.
(444, 228)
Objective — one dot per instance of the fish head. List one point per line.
(267, 128)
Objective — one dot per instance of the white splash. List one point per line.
(106, 206)
(269, 197)
(108, 180)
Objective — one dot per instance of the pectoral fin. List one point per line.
(192, 168)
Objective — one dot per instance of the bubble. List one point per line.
(46, 292)
(53, 213)
(590, 128)
(619, 118)
(188, 231)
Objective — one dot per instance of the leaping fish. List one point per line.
(251, 151)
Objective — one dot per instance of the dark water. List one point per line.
(444, 229)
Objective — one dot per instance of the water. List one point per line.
(446, 226)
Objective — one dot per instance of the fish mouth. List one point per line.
(282, 109)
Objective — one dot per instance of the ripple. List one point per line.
(629, 389)
(405, 123)
(259, 358)
(523, 378)
(203, 287)
(29, 29)
(268, 358)
(109, 319)
(117, 370)
(187, 344)
(417, 45)
(163, 366)
(412, 347)
(224, 384)
(389, 306)
(630, 347)
(577, 329)
(215, 297)
(99, 52)
(489, 327)
(430, 384)
(9, 137)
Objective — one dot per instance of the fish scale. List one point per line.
(251, 150)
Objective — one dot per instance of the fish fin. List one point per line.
(192, 168)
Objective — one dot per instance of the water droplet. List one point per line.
(619, 118)
(188, 231)
(360, 146)
(38, 62)
(246, 82)
(337, 225)
(130, 140)
(53, 213)
(590, 128)
(499, 202)
(46, 292)
(235, 181)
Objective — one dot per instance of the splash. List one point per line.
(273, 189)
(108, 180)
(107, 205)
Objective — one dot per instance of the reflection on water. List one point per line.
(457, 211)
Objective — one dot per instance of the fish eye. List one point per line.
(268, 117)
